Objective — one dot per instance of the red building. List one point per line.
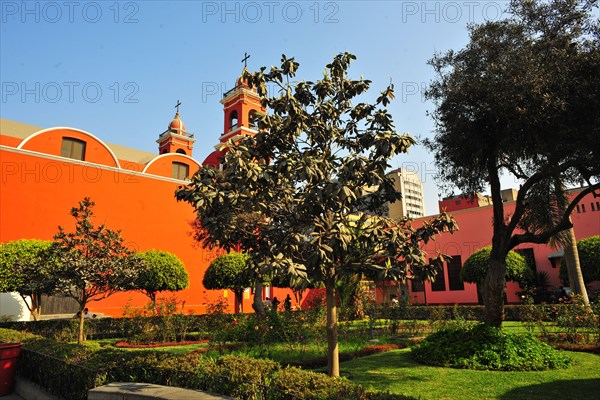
(475, 232)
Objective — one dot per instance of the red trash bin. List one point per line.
(9, 354)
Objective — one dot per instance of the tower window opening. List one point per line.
(233, 120)
(180, 151)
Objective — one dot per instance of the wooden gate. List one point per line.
(59, 305)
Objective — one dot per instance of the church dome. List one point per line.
(240, 81)
(177, 123)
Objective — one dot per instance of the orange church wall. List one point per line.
(475, 232)
(38, 191)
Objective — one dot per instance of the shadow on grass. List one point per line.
(573, 389)
(371, 371)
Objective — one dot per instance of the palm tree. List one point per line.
(548, 203)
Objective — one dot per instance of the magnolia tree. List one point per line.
(313, 176)
(521, 99)
(95, 263)
(161, 271)
(27, 266)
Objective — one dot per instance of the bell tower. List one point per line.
(241, 108)
(176, 139)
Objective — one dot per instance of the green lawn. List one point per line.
(397, 372)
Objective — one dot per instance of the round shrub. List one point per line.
(484, 347)
(476, 266)
(163, 271)
(589, 260)
(227, 272)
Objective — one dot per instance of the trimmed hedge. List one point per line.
(100, 328)
(70, 370)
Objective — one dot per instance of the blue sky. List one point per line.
(116, 69)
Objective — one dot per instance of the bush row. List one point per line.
(70, 370)
(124, 327)
(105, 328)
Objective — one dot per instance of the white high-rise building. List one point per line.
(412, 203)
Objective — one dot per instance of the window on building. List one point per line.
(578, 210)
(180, 171)
(454, 267)
(180, 151)
(73, 148)
(439, 285)
(583, 208)
(417, 285)
(592, 205)
(598, 206)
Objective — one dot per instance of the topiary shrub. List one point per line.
(163, 271)
(484, 347)
(28, 267)
(476, 266)
(229, 271)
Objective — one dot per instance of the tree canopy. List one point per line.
(27, 267)
(293, 194)
(95, 263)
(161, 271)
(522, 98)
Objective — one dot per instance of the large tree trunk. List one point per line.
(574, 268)
(333, 359)
(257, 304)
(493, 288)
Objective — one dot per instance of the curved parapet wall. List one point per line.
(49, 141)
(162, 165)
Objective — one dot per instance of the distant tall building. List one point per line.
(412, 203)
